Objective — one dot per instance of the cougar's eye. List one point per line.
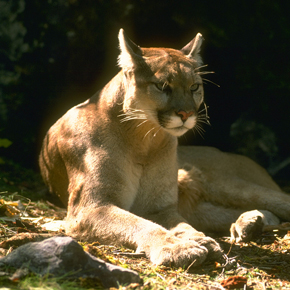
(162, 86)
(194, 87)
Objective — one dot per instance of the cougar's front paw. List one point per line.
(179, 254)
(186, 232)
(250, 224)
(215, 252)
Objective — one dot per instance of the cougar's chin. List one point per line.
(176, 127)
(179, 131)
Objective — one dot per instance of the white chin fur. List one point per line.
(177, 128)
(177, 132)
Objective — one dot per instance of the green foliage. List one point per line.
(5, 143)
(46, 283)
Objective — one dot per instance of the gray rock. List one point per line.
(63, 256)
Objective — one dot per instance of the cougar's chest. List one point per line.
(157, 182)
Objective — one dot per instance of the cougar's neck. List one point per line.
(112, 96)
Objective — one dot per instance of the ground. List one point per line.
(28, 213)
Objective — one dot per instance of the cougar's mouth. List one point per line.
(177, 131)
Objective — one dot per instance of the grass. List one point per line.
(35, 282)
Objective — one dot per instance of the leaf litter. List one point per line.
(260, 264)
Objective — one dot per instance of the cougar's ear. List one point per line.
(130, 52)
(192, 49)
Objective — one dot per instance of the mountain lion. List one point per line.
(113, 160)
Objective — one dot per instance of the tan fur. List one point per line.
(113, 161)
(190, 190)
(232, 184)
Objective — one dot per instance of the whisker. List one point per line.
(142, 123)
(205, 65)
(157, 131)
(133, 114)
(205, 72)
(206, 80)
(204, 109)
(136, 117)
(185, 137)
(132, 110)
(129, 118)
(203, 119)
(206, 112)
(196, 131)
(201, 111)
(199, 130)
(148, 132)
(203, 116)
(204, 122)
(127, 115)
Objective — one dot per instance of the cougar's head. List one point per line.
(162, 85)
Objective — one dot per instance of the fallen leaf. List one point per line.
(8, 208)
(234, 282)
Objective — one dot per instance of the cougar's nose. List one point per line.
(184, 115)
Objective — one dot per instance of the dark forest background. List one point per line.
(57, 53)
